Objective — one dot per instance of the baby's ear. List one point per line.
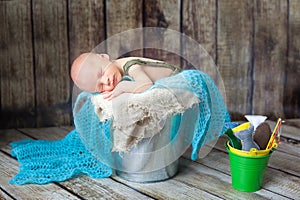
(103, 55)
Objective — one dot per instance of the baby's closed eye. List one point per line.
(99, 86)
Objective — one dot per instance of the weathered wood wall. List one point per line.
(255, 43)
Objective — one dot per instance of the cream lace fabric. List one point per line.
(142, 115)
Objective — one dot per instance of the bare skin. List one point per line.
(97, 73)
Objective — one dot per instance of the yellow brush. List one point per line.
(275, 134)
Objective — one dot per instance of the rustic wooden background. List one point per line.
(255, 43)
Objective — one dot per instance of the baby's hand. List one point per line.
(109, 95)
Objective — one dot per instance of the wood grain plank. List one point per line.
(234, 52)
(9, 167)
(292, 86)
(163, 14)
(161, 190)
(199, 44)
(289, 147)
(199, 23)
(282, 161)
(103, 188)
(5, 196)
(123, 16)
(68, 128)
(270, 61)
(49, 133)
(17, 90)
(52, 62)
(10, 135)
(86, 26)
(293, 122)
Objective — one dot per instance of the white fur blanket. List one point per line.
(142, 115)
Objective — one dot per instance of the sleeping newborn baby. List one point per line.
(98, 73)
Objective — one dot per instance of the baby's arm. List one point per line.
(141, 83)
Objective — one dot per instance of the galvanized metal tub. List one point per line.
(157, 158)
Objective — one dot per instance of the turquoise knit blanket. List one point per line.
(43, 161)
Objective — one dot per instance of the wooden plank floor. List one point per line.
(206, 178)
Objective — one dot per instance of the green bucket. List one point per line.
(247, 172)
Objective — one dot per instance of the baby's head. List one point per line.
(95, 72)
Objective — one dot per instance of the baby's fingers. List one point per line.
(106, 95)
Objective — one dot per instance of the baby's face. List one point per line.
(108, 78)
(96, 74)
